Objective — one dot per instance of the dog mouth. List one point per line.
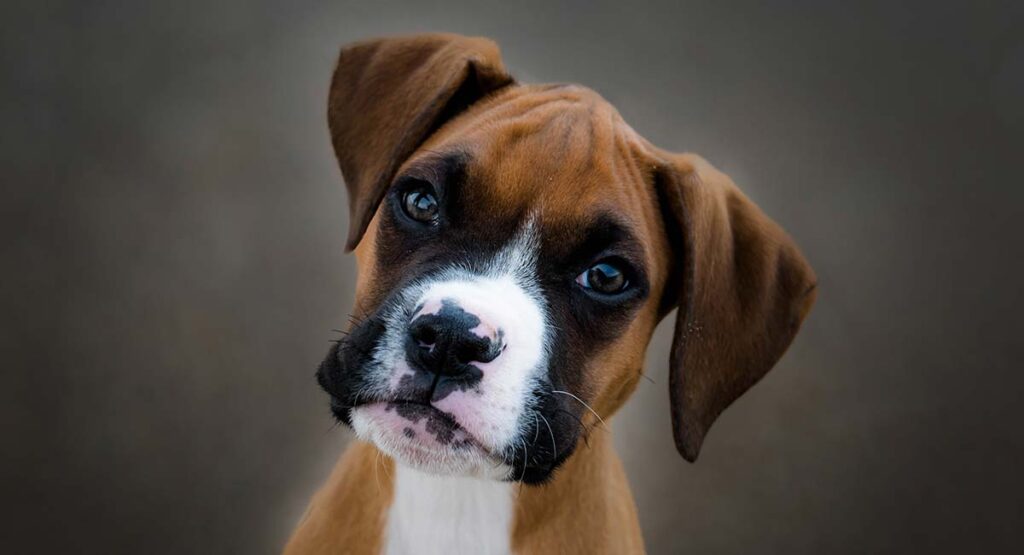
(441, 426)
(424, 436)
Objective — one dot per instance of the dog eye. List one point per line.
(420, 203)
(604, 278)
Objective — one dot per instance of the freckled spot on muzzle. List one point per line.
(438, 424)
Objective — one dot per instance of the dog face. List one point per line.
(517, 245)
(512, 262)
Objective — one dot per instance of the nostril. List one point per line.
(478, 351)
(424, 335)
(490, 354)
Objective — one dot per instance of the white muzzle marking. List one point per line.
(490, 415)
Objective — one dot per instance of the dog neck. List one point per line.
(372, 503)
(587, 506)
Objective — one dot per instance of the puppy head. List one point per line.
(517, 246)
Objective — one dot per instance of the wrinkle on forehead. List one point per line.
(552, 149)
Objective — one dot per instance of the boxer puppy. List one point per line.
(517, 245)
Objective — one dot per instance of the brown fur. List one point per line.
(562, 152)
(349, 513)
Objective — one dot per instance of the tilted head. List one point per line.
(517, 245)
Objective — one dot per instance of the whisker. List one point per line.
(594, 412)
(554, 448)
(646, 377)
(496, 464)
(526, 451)
(376, 472)
(586, 431)
(387, 472)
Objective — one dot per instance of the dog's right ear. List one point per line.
(389, 95)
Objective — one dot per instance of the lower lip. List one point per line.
(423, 431)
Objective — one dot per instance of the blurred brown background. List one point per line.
(172, 260)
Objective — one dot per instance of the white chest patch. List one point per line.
(449, 515)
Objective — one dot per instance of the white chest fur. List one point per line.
(447, 514)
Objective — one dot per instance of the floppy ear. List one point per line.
(742, 288)
(388, 95)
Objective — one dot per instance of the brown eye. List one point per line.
(604, 278)
(420, 204)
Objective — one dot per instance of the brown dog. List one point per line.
(517, 244)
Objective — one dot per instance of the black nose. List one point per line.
(444, 344)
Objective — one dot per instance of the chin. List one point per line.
(426, 439)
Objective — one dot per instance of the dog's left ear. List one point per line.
(388, 95)
(742, 288)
